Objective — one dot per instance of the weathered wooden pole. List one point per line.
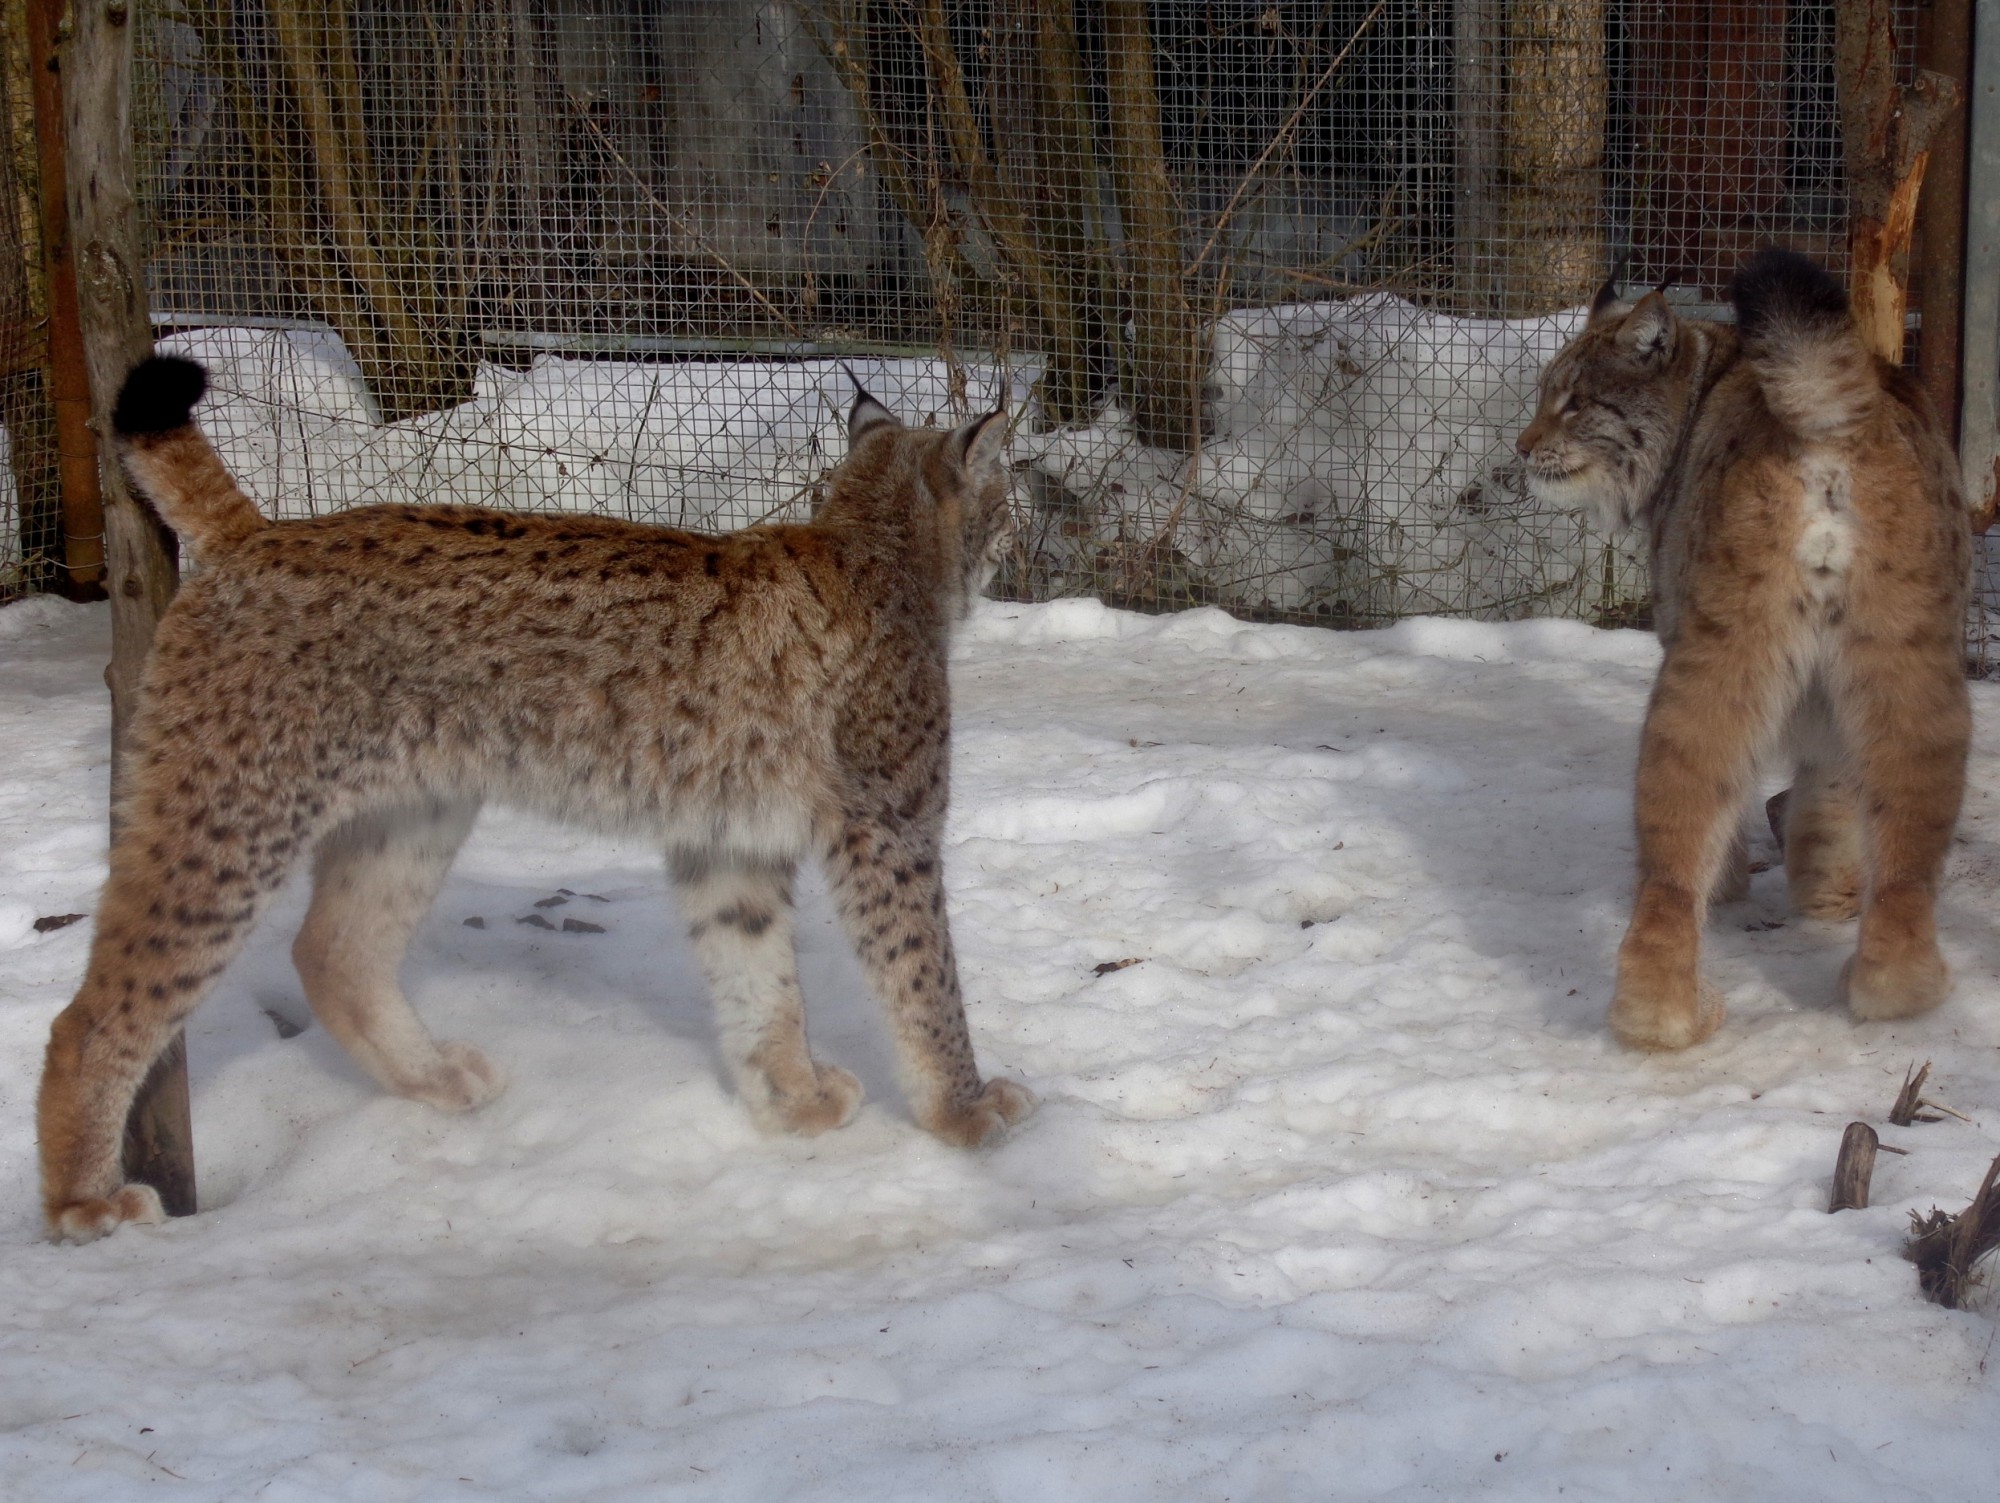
(69, 387)
(96, 67)
(1886, 134)
(1939, 275)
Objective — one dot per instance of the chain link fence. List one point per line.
(1266, 285)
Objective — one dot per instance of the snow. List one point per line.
(696, 444)
(1339, 1192)
(1361, 465)
(1360, 468)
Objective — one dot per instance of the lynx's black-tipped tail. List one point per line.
(158, 396)
(1800, 339)
(174, 464)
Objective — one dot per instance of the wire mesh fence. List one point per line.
(1266, 282)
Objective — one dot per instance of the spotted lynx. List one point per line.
(354, 686)
(1810, 556)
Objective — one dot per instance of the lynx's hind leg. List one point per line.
(374, 880)
(186, 886)
(739, 914)
(1732, 883)
(1718, 699)
(1823, 842)
(888, 884)
(1822, 815)
(1909, 722)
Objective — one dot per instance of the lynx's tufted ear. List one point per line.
(866, 412)
(980, 447)
(1647, 334)
(1606, 299)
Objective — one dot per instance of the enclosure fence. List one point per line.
(1265, 285)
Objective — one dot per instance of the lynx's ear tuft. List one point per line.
(866, 413)
(980, 447)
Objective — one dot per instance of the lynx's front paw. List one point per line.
(462, 1078)
(998, 1106)
(1879, 991)
(1658, 1019)
(830, 1102)
(87, 1220)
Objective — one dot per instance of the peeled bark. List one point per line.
(1886, 134)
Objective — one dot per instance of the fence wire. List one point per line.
(1266, 282)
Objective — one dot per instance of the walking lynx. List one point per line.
(1810, 555)
(354, 686)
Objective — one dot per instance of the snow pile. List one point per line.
(696, 444)
(1338, 1191)
(1361, 466)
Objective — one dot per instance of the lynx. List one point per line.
(355, 686)
(1810, 557)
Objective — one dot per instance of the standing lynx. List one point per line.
(354, 686)
(1810, 556)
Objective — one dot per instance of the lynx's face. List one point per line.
(987, 527)
(1609, 407)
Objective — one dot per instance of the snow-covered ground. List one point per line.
(1338, 1192)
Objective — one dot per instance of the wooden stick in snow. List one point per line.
(1854, 1168)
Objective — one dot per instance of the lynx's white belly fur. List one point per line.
(1827, 533)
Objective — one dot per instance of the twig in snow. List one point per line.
(1911, 1102)
(1945, 1247)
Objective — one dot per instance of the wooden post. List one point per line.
(1853, 1169)
(69, 386)
(1939, 275)
(1886, 134)
(96, 63)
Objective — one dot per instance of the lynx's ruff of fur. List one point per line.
(1810, 557)
(354, 686)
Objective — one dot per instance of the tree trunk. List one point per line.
(111, 292)
(1548, 208)
(1046, 159)
(411, 361)
(1167, 358)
